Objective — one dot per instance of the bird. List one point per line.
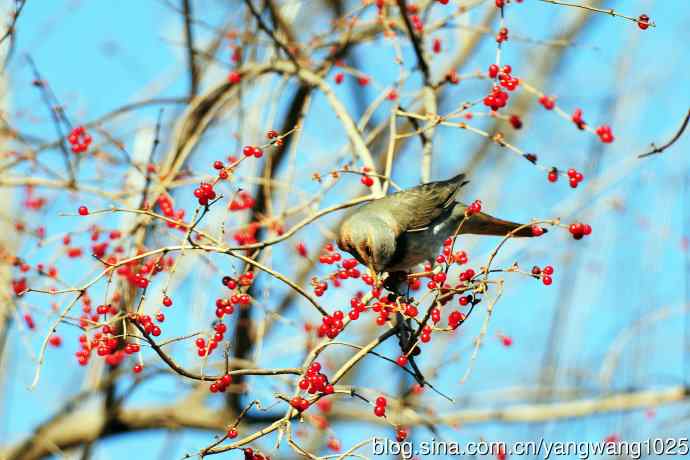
(399, 231)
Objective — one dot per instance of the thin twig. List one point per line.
(675, 137)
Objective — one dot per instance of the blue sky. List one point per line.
(100, 55)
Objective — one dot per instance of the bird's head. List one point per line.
(370, 241)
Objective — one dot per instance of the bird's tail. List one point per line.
(484, 224)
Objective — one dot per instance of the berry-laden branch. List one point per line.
(233, 132)
(206, 378)
(642, 21)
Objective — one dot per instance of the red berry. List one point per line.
(643, 22)
(380, 411)
(402, 360)
(83, 210)
(546, 280)
(553, 175)
(234, 77)
(493, 70)
(55, 340)
(548, 270)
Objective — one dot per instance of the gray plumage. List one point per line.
(399, 231)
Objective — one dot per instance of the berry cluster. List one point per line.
(417, 23)
(574, 177)
(549, 102)
(243, 201)
(460, 257)
(467, 275)
(579, 230)
(204, 193)
(437, 279)
(146, 322)
(366, 180)
(166, 205)
(79, 139)
(348, 270)
(329, 255)
(605, 134)
(543, 273)
(384, 310)
(220, 385)
(357, 307)
(331, 325)
(474, 208)
(319, 287)
(505, 78)
(315, 381)
(299, 403)
(425, 337)
(204, 349)
(578, 120)
(456, 318)
(251, 150)
(380, 407)
(247, 235)
(136, 275)
(502, 35)
(497, 99)
(226, 306)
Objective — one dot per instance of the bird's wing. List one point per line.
(415, 209)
